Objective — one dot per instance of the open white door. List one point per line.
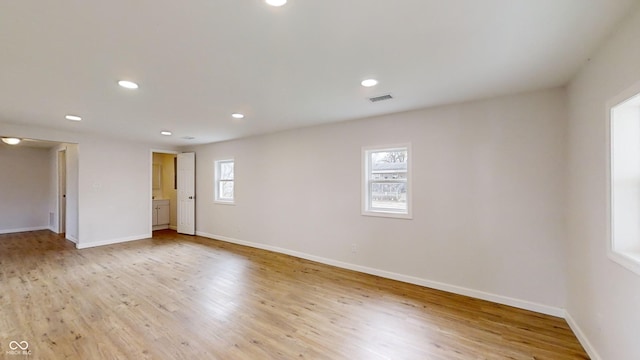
(187, 193)
(62, 191)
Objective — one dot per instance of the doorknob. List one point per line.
(190, 197)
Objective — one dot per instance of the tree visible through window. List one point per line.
(224, 181)
(386, 187)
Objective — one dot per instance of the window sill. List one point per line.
(224, 202)
(387, 215)
(628, 259)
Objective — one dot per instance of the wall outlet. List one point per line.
(354, 248)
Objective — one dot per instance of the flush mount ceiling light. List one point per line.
(237, 116)
(276, 2)
(166, 133)
(73, 117)
(11, 140)
(128, 84)
(369, 82)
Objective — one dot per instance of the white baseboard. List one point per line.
(522, 304)
(584, 341)
(71, 238)
(111, 241)
(18, 230)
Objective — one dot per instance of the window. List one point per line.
(224, 185)
(386, 182)
(625, 182)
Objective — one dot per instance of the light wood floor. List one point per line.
(182, 297)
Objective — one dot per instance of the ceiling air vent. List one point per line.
(381, 98)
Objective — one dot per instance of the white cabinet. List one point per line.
(161, 214)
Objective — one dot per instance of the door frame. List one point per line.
(150, 169)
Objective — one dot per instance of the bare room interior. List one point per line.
(273, 179)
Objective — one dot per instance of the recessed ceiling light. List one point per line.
(276, 2)
(128, 84)
(369, 82)
(166, 133)
(73, 117)
(237, 116)
(11, 141)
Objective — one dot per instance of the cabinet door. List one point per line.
(163, 214)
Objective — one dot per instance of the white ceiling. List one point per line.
(198, 61)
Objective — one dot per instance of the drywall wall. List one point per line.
(115, 191)
(603, 297)
(24, 188)
(488, 197)
(53, 190)
(73, 205)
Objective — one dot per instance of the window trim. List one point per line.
(365, 164)
(217, 179)
(627, 259)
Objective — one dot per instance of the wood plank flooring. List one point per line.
(183, 297)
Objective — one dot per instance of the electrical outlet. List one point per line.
(354, 248)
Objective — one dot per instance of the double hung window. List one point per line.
(387, 182)
(224, 181)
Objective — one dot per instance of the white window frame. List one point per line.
(217, 175)
(367, 210)
(629, 259)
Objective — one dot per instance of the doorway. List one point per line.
(164, 204)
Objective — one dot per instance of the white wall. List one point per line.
(53, 189)
(115, 191)
(24, 188)
(73, 193)
(603, 297)
(488, 212)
